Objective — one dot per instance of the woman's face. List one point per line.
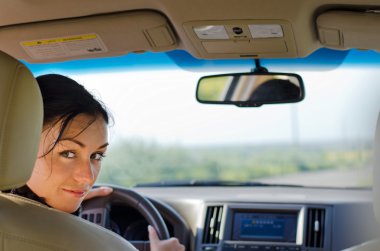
(65, 175)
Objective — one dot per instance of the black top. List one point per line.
(26, 192)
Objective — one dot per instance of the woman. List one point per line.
(73, 143)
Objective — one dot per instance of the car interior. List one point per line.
(202, 215)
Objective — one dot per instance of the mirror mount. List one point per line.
(258, 68)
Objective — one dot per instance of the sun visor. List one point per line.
(348, 29)
(88, 37)
(242, 38)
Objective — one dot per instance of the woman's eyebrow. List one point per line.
(104, 145)
(82, 144)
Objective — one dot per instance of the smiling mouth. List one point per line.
(76, 193)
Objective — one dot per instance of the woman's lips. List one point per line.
(75, 192)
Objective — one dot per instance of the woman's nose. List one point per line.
(85, 173)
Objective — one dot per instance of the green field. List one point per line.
(136, 161)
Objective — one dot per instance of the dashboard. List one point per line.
(255, 218)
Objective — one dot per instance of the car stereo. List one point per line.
(263, 228)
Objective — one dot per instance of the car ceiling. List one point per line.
(298, 19)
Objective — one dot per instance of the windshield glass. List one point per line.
(161, 133)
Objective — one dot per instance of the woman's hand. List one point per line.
(156, 244)
(98, 192)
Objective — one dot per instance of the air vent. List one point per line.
(315, 228)
(212, 225)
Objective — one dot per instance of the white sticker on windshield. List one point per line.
(265, 30)
(62, 47)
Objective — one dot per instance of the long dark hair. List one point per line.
(64, 99)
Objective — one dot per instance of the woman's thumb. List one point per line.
(153, 237)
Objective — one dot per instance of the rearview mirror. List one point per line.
(250, 89)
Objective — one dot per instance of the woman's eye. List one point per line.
(97, 156)
(68, 154)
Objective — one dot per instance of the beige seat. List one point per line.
(376, 174)
(25, 224)
(374, 245)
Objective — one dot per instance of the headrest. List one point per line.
(376, 171)
(21, 116)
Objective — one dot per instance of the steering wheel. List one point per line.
(97, 210)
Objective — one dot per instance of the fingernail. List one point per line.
(150, 228)
(107, 189)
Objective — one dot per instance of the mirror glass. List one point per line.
(250, 89)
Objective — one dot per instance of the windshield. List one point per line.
(161, 133)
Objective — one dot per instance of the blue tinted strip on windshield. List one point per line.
(321, 59)
(129, 62)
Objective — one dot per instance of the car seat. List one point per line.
(24, 223)
(374, 245)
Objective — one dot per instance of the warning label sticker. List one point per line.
(62, 47)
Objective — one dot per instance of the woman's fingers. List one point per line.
(98, 192)
(156, 244)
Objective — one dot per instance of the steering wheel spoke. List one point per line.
(99, 216)
(98, 209)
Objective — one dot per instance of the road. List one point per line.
(334, 178)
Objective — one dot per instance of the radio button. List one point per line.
(254, 248)
(210, 248)
(281, 248)
(294, 249)
(228, 247)
(241, 247)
